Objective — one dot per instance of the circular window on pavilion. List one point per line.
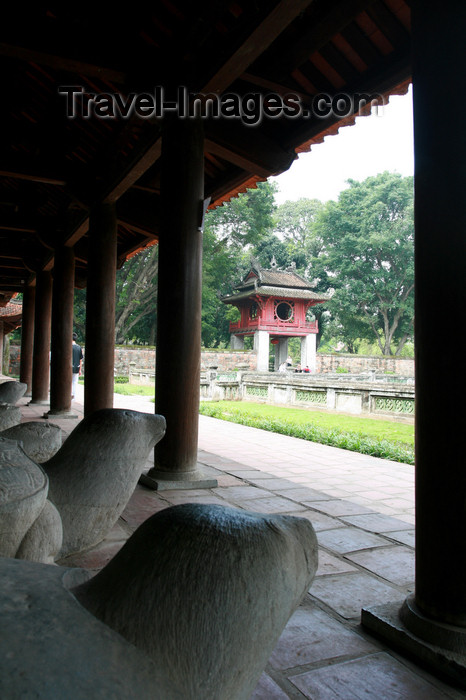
(284, 310)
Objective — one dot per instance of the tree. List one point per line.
(136, 295)
(369, 259)
(295, 222)
(244, 220)
(231, 233)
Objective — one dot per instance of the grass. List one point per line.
(130, 389)
(134, 389)
(379, 438)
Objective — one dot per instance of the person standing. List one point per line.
(77, 360)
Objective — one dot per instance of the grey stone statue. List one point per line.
(9, 415)
(189, 609)
(11, 391)
(40, 440)
(83, 489)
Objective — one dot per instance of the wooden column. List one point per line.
(2, 342)
(42, 325)
(100, 310)
(440, 249)
(177, 383)
(27, 336)
(62, 332)
(434, 618)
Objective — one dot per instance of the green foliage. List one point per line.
(369, 259)
(79, 314)
(246, 218)
(286, 422)
(230, 231)
(120, 379)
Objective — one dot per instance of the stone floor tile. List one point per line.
(337, 507)
(96, 558)
(208, 498)
(141, 506)
(224, 480)
(328, 564)
(404, 536)
(395, 564)
(313, 636)
(347, 594)
(374, 676)
(273, 484)
(267, 689)
(250, 474)
(275, 504)
(296, 493)
(349, 539)
(242, 492)
(320, 521)
(376, 522)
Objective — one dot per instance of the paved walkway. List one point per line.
(362, 509)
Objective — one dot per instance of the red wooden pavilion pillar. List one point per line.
(100, 310)
(62, 331)
(177, 381)
(42, 325)
(27, 336)
(432, 622)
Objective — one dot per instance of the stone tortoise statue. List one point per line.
(10, 392)
(189, 609)
(70, 502)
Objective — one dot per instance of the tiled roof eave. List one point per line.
(281, 292)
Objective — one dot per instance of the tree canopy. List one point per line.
(368, 238)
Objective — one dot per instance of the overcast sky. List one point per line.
(372, 145)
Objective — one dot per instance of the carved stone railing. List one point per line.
(356, 394)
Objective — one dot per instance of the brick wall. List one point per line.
(144, 358)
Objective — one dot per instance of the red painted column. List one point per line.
(100, 310)
(27, 337)
(62, 331)
(42, 326)
(177, 384)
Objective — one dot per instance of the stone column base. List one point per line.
(60, 414)
(167, 480)
(42, 402)
(443, 653)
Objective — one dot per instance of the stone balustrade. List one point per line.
(357, 394)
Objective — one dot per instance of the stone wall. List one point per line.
(132, 357)
(357, 364)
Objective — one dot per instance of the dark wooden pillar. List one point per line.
(440, 221)
(27, 336)
(62, 332)
(434, 618)
(177, 383)
(100, 310)
(42, 325)
(2, 342)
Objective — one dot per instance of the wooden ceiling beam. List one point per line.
(246, 148)
(30, 176)
(319, 34)
(257, 42)
(62, 63)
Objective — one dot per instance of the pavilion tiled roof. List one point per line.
(265, 282)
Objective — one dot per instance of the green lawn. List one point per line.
(134, 389)
(382, 438)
